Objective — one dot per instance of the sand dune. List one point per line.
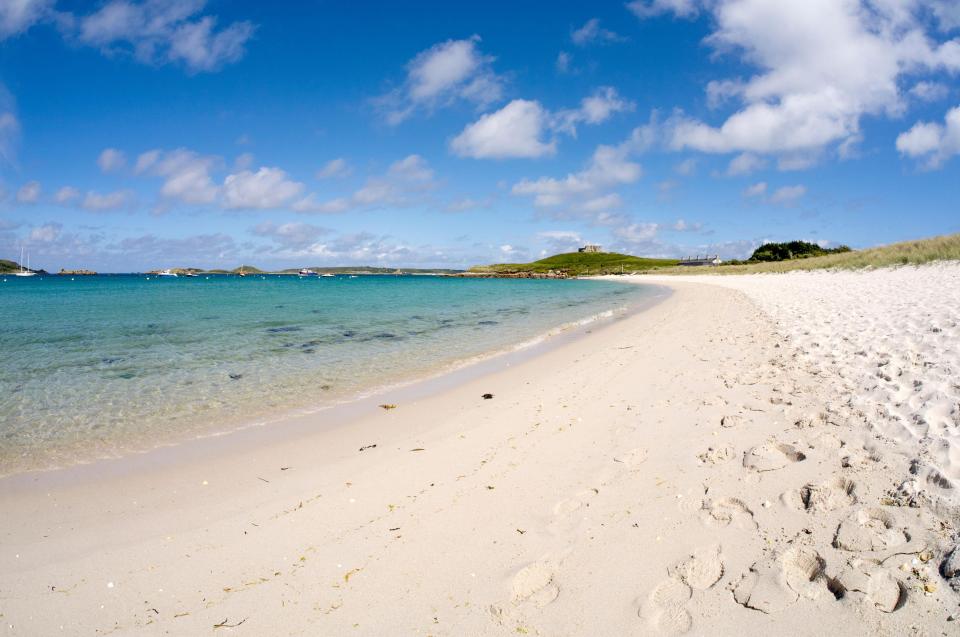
(725, 463)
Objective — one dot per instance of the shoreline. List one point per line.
(339, 406)
(685, 469)
(296, 421)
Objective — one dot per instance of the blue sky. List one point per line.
(137, 135)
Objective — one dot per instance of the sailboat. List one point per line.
(27, 271)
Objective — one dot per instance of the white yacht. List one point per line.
(167, 272)
(24, 271)
(307, 272)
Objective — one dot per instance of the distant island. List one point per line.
(364, 269)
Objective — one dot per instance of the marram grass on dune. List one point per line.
(943, 248)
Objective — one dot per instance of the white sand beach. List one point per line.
(754, 455)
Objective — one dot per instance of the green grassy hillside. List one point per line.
(8, 266)
(579, 264)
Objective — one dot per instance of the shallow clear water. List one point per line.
(97, 366)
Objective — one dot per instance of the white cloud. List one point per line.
(243, 161)
(163, 31)
(637, 232)
(447, 72)
(680, 225)
(561, 235)
(519, 128)
(756, 190)
(594, 109)
(146, 161)
(561, 241)
(787, 195)
(514, 131)
(292, 235)
(16, 16)
(411, 168)
(608, 167)
(591, 32)
(9, 132)
(466, 203)
(266, 188)
(564, 60)
(929, 91)
(404, 180)
(29, 192)
(602, 203)
(802, 161)
(823, 66)
(47, 233)
(97, 202)
(335, 168)
(650, 8)
(686, 168)
(935, 143)
(202, 48)
(186, 174)
(369, 249)
(513, 252)
(310, 204)
(744, 164)
(111, 160)
(66, 195)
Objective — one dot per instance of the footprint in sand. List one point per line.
(771, 456)
(716, 455)
(535, 583)
(862, 456)
(877, 586)
(870, 529)
(564, 511)
(837, 493)
(632, 457)
(701, 570)
(727, 511)
(772, 586)
(691, 500)
(731, 421)
(664, 608)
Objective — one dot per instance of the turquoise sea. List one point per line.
(99, 366)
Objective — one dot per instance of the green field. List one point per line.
(579, 264)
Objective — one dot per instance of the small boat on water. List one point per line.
(167, 272)
(241, 272)
(307, 272)
(327, 274)
(191, 274)
(24, 271)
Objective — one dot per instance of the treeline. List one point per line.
(789, 250)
